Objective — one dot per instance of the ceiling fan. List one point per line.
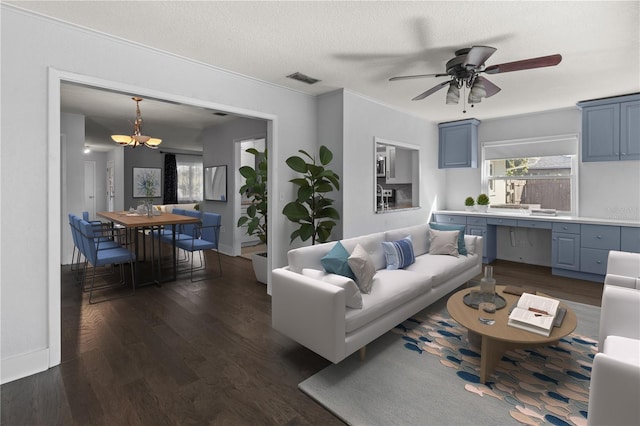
(465, 69)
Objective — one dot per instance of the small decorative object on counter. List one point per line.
(483, 202)
(470, 203)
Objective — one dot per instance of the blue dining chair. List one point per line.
(205, 236)
(102, 253)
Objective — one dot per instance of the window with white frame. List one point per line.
(540, 173)
(189, 178)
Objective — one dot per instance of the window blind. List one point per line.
(534, 147)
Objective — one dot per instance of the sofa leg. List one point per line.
(362, 352)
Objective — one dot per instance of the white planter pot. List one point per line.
(482, 209)
(259, 261)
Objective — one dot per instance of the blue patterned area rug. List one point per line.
(425, 372)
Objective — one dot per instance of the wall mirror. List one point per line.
(397, 176)
(215, 183)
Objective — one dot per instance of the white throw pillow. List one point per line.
(443, 242)
(363, 268)
(352, 292)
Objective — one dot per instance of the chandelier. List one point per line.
(137, 138)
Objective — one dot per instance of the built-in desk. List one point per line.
(579, 246)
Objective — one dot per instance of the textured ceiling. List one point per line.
(360, 45)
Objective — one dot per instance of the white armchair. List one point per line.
(614, 396)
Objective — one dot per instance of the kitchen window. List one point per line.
(532, 174)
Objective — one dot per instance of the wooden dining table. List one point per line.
(158, 220)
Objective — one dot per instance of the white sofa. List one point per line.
(168, 208)
(313, 312)
(614, 394)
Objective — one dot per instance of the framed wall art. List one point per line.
(147, 182)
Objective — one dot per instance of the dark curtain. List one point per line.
(170, 180)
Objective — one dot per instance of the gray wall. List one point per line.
(31, 44)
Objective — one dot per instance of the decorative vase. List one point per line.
(488, 285)
(470, 208)
(482, 208)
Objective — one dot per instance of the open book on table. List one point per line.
(534, 313)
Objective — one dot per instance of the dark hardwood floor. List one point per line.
(193, 353)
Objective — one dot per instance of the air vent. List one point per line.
(303, 78)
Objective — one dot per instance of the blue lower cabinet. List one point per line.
(630, 239)
(594, 261)
(565, 251)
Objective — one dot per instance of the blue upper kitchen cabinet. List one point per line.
(458, 144)
(611, 129)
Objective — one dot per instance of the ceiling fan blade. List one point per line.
(408, 77)
(543, 61)
(478, 55)
(431, 91)
(489, 87)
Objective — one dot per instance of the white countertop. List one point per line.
(545, 218)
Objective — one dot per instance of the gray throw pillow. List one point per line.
(443, 242)
(363, 268)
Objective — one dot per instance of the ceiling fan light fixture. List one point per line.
(453, 94)
(137, 138)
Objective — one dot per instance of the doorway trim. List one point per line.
(54, 214)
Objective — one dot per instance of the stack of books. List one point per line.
(535, 313)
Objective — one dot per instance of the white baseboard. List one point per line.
(20, 366)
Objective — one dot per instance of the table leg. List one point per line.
(175, 257)
(490, 355)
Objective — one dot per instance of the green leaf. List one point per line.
(302, 151)
(325, 155)
(315, 170)
(295, 211)
(324, 187)
(306, 231)
(253, 151)
(251, 210)
(242, 221)
(247, 172)
(304, 193)
(299, 182)
(329, 212)
(297, 164)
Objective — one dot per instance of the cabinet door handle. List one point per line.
(623, 153)
(598, 262)
(599, 237)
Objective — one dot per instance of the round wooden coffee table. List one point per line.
(498, 338)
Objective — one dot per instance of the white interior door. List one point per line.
(111, 185)
(90, 188)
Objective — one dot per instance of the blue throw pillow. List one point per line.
(462, 248)
(336, 261)
(399, 254)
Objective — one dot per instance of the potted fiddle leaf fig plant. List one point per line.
(469, 202)
(483, 202)
(255, 190)
(312, 210)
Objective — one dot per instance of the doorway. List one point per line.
(56, 78)
(248, 243)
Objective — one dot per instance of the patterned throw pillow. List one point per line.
(462, 249)
(335, 261)
(399, 254)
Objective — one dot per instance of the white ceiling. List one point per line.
(359, 45)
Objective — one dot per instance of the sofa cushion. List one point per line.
(442, 268)
(443, 242)
(336, 261)
(440, 227)
(398, 254)
(419, 237)
(390, 289)
(372, 243)
(362, 266)
(352, 292)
